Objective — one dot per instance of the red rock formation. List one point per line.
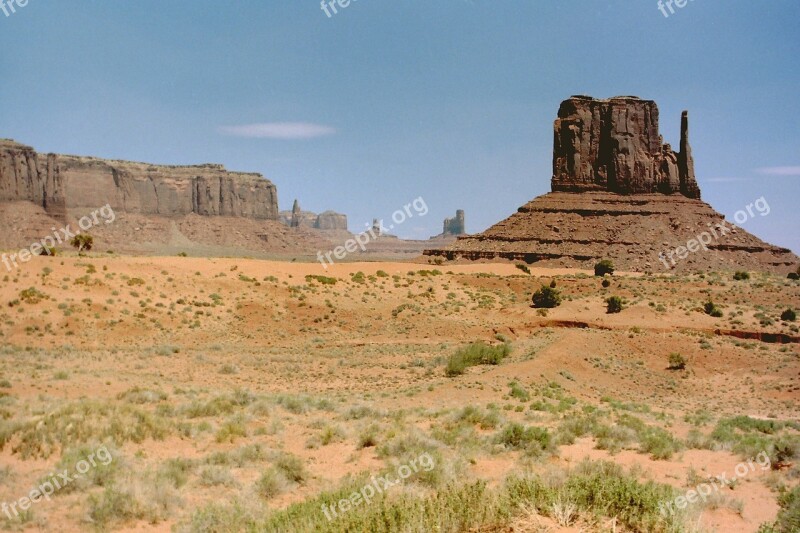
(62, 183)
(619, 193)
(615, 145)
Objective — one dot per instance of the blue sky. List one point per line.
(387, 101)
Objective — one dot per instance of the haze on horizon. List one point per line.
(384, 102)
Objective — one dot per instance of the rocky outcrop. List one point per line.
(327, 220)
(61, 183)
(619, 193)
(614, 145)
(296, 214)
(455, 225)
(26, 176)
(330, 220)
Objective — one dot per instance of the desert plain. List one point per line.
(240, 394)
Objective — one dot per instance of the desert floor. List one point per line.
(229, 391)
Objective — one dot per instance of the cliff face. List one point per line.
(60, 183)
(25, 176)
(614, 145)
(619, 193)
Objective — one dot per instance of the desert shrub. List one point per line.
(533, 440)
(381, 274)
(477, 353)
(606, 283)
(740, 275)
(85, 421)
(793, 275)
(323, 280)
(32, 296)
(177, 471)
(270, 484)
(710, 308)
(553, 284)
(789, 315)
(488, 419)
(614, 304)
(231, 430)
(604, 267)
(138, 395)
(82, 242)
(518, 391)
(750, 436)
(369, 437)
(600, 489)
(99, 475)
(676, 361)
(149, 498)
(546, 298)
(789, 516)
(292, 467)
(523, 267)
(217, 476)
(135, 282)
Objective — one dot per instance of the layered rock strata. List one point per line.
(60, 183)
(619, 193)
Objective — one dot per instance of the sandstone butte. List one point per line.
(204, 209)
(620, 193)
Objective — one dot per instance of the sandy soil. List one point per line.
(99, 327)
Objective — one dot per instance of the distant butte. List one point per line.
(618, 192)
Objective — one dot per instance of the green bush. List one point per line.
(740, 275)
(524, 268)
(676, 361)
(546, 297)
(711, 308)
(606, 283)
(532, 440)
(614, 304)
(477, 353)
(789, 315)
(604, 267)
(324, 280)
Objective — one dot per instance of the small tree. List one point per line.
(789, 315)
(614, 304)
(82, 242)
(546, 297)
(604, 267)
(676, 361)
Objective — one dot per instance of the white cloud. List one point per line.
(279, 130)
(780, 171)
(724, 179)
